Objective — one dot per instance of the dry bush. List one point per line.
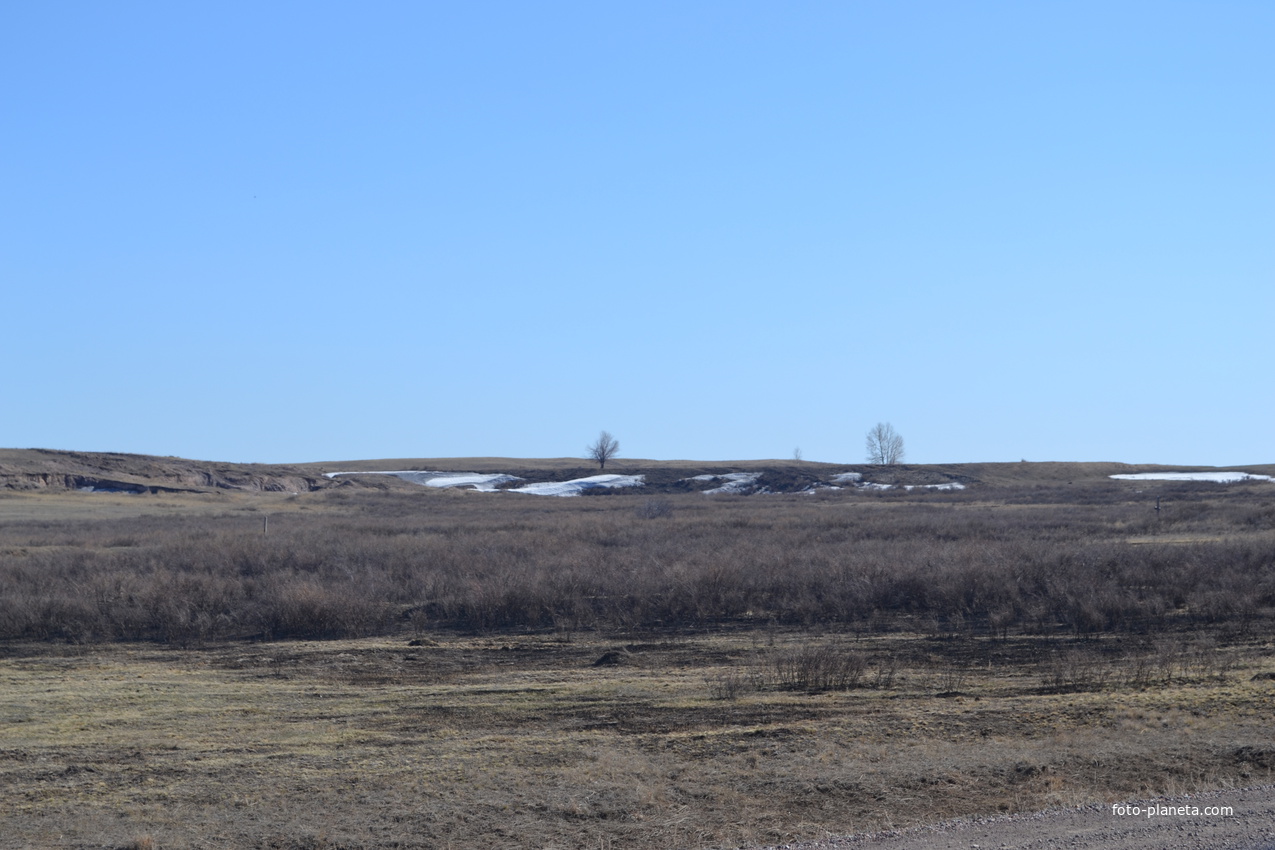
(734, 682)
(818, 667)
(1077, 669)
(951, 677)
(884, 671)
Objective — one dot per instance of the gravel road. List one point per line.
(1171, 823)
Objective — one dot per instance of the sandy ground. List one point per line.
(1175, 823)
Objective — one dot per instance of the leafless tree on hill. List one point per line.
(885, 445)
(603, 449)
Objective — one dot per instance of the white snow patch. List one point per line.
(489, 482)
(847, 477)
(736, 482)
(576, 486)
(950, 485)
(475, 480)
(1215, 477)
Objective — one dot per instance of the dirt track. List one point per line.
(1251, 826)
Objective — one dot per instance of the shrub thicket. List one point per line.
(373, 562)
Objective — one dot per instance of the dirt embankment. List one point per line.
(42, 469)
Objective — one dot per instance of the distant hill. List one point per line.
(44, 469)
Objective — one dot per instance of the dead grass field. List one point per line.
(774, 668)
(520, 741)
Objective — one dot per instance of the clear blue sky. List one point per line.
(312, 231)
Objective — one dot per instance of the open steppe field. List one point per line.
(386, 665)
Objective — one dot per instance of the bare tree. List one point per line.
(885, 446)
(603, 449)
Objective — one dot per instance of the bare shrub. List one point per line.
(1075, 670)
(304, 608)
(815, 668)
(1167, 658)
(999, 621)
(1138, 670)
(884, 671)
(952, 677)
(731, 684)
(1209, 660)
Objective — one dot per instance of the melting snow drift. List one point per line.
(490, 483)
(1216, 477)
(578, 485)
(474, 480)
(855, 479)
(736, 482)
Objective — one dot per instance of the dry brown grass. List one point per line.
(520, 741)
